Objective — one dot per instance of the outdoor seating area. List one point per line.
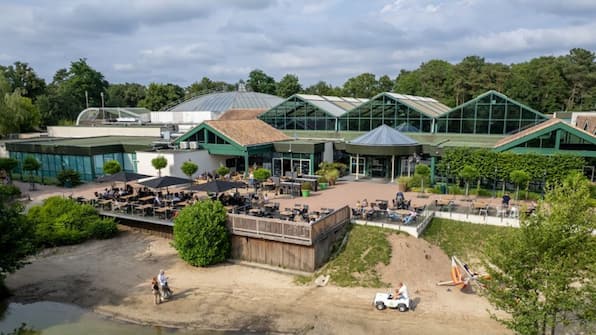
(401, 212)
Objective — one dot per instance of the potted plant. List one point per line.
(402, 183)
(323, 182)
(306, 187)
(332, 175)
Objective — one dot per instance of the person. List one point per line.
(265, 198)
(155, 290)
(163, 283)
(506, 199)
(402, 291)
(364, 203)
(251, 179)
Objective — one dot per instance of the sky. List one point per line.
(180, 41)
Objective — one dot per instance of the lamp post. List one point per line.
(495, 183)
(447, 179)
(543, 184)
(103, 112)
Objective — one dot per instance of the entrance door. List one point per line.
(378, 167)
(361, 165)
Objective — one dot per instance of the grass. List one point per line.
(466, 240)
(355, 265)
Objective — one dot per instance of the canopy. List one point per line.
(383, 136)
(217, 186)
(122, 176)
(164, 181)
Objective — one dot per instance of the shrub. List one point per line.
(306, 186)
(68, 178)
(224, 170)
(61, 221)
(9, 192)
(322, 179)
(111, 167)
(261, 174)
(200, 233)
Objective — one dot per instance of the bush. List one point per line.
(68, 178)
(261, 174)
(62, 221)
(224, 170)
(200, 233)
(9, 191)
(322, 179)
(306, 186)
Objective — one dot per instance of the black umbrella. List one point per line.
(164, 181)
(122, 176)
(217, 186)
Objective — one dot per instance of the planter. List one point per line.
(305, 193)
(323, 186)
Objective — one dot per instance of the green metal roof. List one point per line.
(84, 146)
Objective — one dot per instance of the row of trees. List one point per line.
(547, 84)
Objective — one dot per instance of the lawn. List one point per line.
(466, 240)
(354, 266)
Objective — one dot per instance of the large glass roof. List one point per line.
(98, 115)
(335, 106)
(224, 101)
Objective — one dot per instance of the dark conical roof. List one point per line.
(383, 136)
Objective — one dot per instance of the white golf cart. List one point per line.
(387, 300)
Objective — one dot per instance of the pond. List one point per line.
(52, 318)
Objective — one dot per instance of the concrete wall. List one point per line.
(194, 117)
(328, 153)
(68, 131)
(202, 158)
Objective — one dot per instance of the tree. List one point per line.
(16, 240)
(189, 168)
(261, 174)
(259, 81)
(468, 174)
(22, 77)
(112, 166)
(322, 88)
(423, 171)
(385, 84)
(579, 71)
(222, 170)
(519, 177)
(31, 164)
(288, 86)
(543, 273)
(364, 85)
(125, 95)
(67, 90)
(17, 113)
(8, 164)
(160, 96)
(200, 233)
(159, 163)
(207, 85)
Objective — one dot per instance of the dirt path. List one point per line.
(112, 277)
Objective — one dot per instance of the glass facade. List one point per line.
(385, 110)
(88, 167)
(491, 113)
(297, 114)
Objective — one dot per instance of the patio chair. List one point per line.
(483, 211)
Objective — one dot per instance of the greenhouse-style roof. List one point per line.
(383, 136)
(119, 114)
(335, 106)
(428, 106)
(224, 101)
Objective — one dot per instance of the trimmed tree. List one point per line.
(222, 170)
(423, 171)
(111, 167)
(189, 168)
(8, 164)
(261, 174)
(200, 233)
(543, 273)
(519, 177)
(468, 174)
(159, 163)
(31, 164)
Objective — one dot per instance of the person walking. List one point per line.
(166, 293)
(155, 290)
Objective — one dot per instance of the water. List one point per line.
(52, 318)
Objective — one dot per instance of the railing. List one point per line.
(287, 231)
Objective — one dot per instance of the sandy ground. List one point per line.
(112, 277)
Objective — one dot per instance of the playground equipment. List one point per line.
(462, 275)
